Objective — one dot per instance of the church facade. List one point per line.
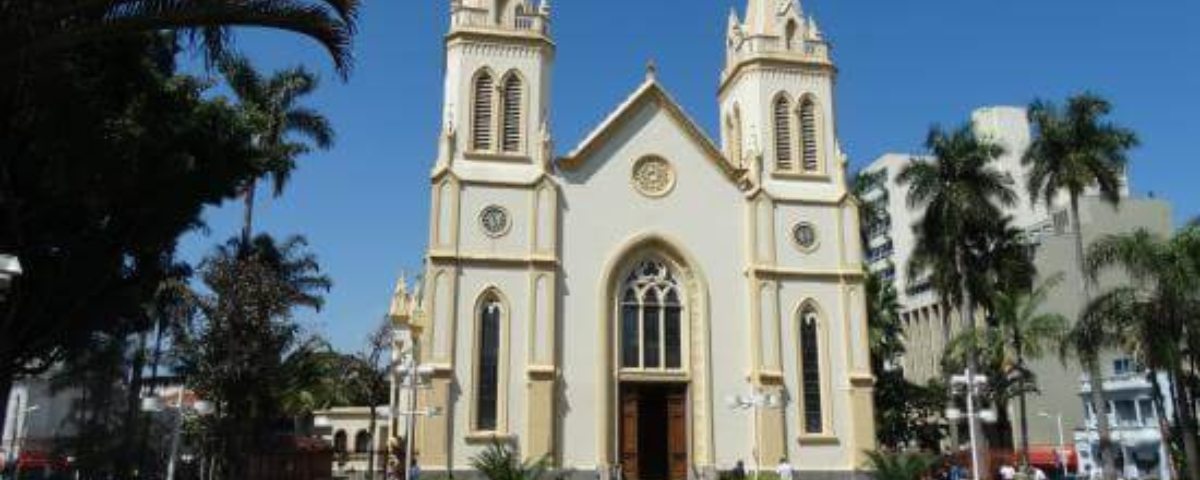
(651, 303)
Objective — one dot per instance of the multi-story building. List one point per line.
(1132, 411)
(891, 239)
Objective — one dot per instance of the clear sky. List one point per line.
(904, 65)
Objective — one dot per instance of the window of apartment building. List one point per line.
(1126, 412)
(1123, 366)
(1146, 406)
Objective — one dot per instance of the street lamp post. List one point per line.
(20, 432)
(199, 407)
(1062, 445)
(970, 385)
(753, 402)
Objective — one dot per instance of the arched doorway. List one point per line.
(652, 371)
(657, 422)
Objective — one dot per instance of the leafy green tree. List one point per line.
(272, 106)
(1157, 317)
(97, 183)
(367, 379)
(1020, 330)
(1075, 150)
(904, 412)
(312, 375)
(234, 354)
(106, 156)
(35, 31)
(960, 192)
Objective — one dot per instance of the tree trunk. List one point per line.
(1103, 429)
(946, 335)
(248, 214)
(1185, 414)
(129, 451)
(1024, 427)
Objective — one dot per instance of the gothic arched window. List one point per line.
(482, 111)
(782, 116)
(809, 151)
(810, 371)
(487, 374)
(511, 98)
(651, 318)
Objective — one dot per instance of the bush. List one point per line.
(901, 465)
(502, 462)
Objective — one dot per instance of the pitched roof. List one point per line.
(649, 91)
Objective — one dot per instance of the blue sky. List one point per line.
(904, 65)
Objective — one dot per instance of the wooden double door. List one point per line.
(653, 431)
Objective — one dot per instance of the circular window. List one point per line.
(653, 176)
(804, 235)
(494, 221)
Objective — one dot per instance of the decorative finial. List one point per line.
(651, 71)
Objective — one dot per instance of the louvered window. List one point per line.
(511, 129)
(783, 136)
(808, 136)
(481, 127)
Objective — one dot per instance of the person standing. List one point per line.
(785, 470)
(739, 471)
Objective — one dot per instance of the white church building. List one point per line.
(652, 303)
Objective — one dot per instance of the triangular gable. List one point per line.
(650, 91)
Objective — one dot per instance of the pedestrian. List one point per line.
(1038, 474)
(739, 470)
(1007, 472)
(785, 470)
(414, 469)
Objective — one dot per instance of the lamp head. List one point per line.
(203, 408)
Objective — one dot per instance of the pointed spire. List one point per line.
(734, 21)
(766, 17)
(398, 310)
(651, 71)
(758, 16)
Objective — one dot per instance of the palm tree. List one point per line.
(1154, 318)
(272, 105)
(883, 321)
(960, 191)
(1024, 331)
(1073, 151)
(311, 376)
(33, 30)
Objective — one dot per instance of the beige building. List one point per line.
(891, 243)
(652, 303)
(348, 431)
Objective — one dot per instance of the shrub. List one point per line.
(901, 465)
(502, 462)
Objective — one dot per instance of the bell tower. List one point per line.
(491, 270)
(497, 89)
(776, 96)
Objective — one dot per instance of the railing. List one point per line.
(480, 18)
